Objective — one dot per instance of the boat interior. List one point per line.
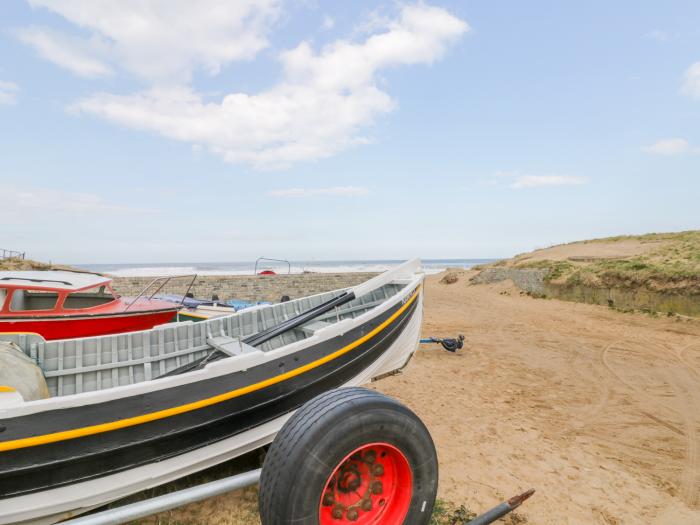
(35, 300)
(26, 300)
(79, 300)
(98, 363)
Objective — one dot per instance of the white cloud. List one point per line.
(319, 108)
(336, 191)
(162, 41)
(31, 203)
(520, 180)
(673, 146)
(8, 92)
(80, 56)
(657, 34)
(691, 81)
(506, 174)
(328, 23)
(536, 181)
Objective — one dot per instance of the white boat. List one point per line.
(132, 411)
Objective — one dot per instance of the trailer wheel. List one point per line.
(350, 455)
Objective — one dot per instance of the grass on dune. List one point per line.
(674, 266)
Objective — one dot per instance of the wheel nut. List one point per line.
(377, 487)
(378, 469)
(337, 513)
(327, 499)
(352, 514)
(367, 505)
(370, 456)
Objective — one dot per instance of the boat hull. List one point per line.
(71, 327)
(247, 410)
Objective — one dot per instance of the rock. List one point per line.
(449, 278)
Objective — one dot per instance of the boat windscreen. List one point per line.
(88, 298)
(32, 301)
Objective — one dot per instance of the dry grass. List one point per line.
(28, 264)
(672, 266)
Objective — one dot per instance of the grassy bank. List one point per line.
(13, 265)
(661, 262)
(22, 264)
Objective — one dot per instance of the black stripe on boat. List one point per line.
(39, 467)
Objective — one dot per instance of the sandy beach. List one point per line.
(598, 410)
(243, 199)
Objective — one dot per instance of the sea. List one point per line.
(431, 266)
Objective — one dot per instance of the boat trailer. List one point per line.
(145, 508)
(451, 344)
(319, 416)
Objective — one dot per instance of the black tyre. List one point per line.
(350, 455)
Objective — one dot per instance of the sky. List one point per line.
(167, 130)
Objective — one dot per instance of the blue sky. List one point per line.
(212, 131)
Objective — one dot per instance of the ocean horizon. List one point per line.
(431, 266)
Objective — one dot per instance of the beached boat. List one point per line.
(196, 310)
(209, 311)
(136, 410)
(64, 304)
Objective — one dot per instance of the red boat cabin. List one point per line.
(67, 305)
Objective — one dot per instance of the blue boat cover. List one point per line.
(189, 302)
(239, 304)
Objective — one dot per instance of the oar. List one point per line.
(263, 336)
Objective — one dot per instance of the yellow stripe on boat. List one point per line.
(189, 314)
(203, 403)
(4, 388)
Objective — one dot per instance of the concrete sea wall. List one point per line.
(529, 280)
(250, 287)
(640, 299)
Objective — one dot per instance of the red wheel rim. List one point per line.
(372, 485)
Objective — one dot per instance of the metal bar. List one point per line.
(501, 510)
(289, 265)
(165, 281)
(194, 278)
(141, 293)
(141, 509)
(12, 254)
(157, 279)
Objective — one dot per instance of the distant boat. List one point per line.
(201, 309)
(64, 304)
(129, 412)
(185, 300)
(203, 312)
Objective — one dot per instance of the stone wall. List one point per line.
(533, 281)
(637, 299)
(250, 287)
(530, 280)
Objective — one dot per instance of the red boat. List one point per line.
(66, 305)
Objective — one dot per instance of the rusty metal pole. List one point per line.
(501, 510)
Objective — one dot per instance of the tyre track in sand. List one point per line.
(681, 379)
(634, 388)
(681, 356)
(690, 408)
